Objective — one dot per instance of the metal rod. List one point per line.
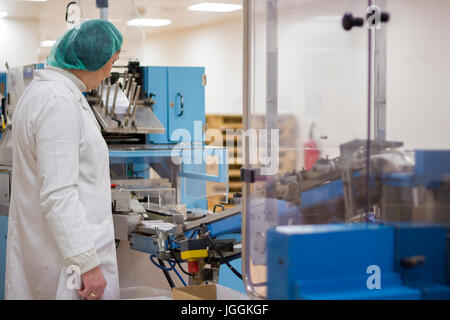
(130, 97)
(108, 90)
(102, 86)
(125, 78)
(379, 76)
(247, 104)
(104, 13)
(116, 91)
(136, 97)
(129, 83)
(369, 118)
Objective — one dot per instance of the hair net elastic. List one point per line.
(88, 46)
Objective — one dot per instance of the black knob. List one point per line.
(349, 21)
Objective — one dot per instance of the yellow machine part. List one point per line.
(194, 254)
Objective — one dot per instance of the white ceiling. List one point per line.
(175, 10)
(50, 17)
(51, 14)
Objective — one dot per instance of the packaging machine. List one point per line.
(159, 199)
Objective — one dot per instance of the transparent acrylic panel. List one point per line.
(417, 107)
(418, 73)
(310, 93)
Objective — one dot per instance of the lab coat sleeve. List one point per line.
(86, 261)
(57, 131)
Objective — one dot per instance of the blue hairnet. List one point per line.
(88, 46)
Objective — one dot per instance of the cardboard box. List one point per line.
(200, 292)
(208, 292)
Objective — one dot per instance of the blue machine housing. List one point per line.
(429, 169)
(335, 261)
(179, 104)
(179, 96)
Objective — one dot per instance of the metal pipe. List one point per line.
(103, 6)
(136, 97)
(102, 86)
(247, 98)
(104, 13)
(116, 91)
(129, 82)
(125, 77)
(133, 90)
(108, 90)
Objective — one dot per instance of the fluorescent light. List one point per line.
(3, 14)
(48, 43)
(35, 0)
(215, 7)
(149, 22)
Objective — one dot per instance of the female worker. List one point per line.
(60, 221)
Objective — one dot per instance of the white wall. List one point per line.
(218, 48)
(418, 73)
(19, 41)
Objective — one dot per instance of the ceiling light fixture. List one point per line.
(3, 14)
(215, 7)
(35, 0)
(48, 43)
(149, 22)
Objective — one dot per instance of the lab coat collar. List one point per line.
(65, 77)
(80, 85)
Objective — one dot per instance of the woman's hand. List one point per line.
(94, 284)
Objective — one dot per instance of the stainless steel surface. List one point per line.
(146, 121)
(4, 210)
(6, 147)
(5, 189)
(154, 229)
(131, 184)
(121, 200)
(124, 224)
(5, 155)
(213, 217)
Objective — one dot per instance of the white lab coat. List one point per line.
(61, 192)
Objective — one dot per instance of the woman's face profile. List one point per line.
(108, 66)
